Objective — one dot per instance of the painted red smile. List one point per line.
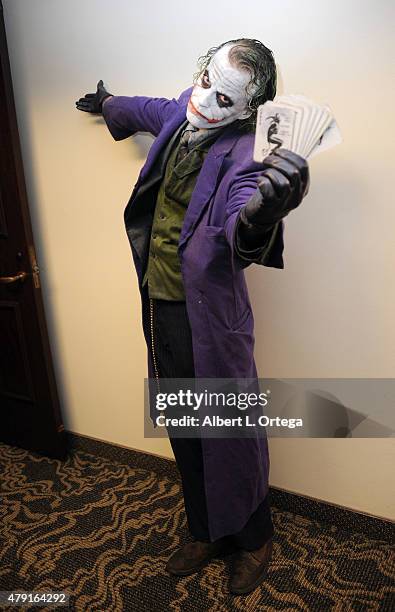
(196, 112)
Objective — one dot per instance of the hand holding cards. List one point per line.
(296, 123)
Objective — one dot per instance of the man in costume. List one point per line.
(201, 211)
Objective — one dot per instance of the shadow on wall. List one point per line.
(140, 143)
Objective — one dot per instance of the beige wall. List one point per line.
(328, 314)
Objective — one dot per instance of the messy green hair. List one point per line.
(252, 55)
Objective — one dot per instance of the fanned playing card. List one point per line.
(296, 123)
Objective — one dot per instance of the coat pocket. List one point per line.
(242, 320)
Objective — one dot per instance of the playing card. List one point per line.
(275, 129)
(296, 123)
(329, 139)
(303, 113)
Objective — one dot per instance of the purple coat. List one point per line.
(217, 301)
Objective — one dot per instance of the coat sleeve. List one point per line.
(125, 115)
(271, 251)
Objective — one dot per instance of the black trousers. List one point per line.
(167, 321)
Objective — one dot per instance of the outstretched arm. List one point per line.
(126, 115)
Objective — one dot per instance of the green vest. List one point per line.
(163, 272)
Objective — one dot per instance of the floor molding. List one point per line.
(315, 509)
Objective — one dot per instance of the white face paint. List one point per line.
(219, 97)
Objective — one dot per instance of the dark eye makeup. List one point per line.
(222, 99)
(205, 80)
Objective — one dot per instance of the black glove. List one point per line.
(93, 102)
(281, 187)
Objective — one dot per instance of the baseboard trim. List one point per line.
(286, 501)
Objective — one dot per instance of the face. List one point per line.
(219, 97)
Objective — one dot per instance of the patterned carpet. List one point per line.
(102, 531)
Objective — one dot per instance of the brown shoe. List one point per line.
(250, 568)
(195, 555)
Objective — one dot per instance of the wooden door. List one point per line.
(30, 414)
